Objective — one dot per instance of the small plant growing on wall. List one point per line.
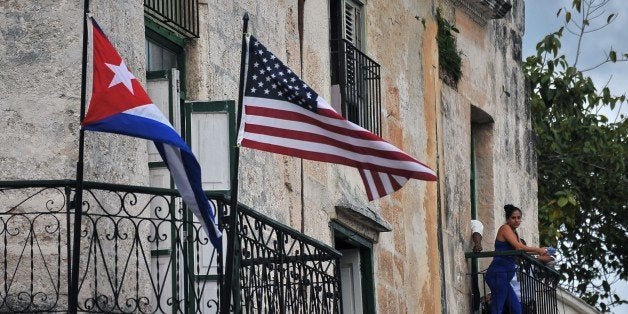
(449, 61)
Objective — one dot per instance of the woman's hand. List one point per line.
(545, 258)
(542, 251)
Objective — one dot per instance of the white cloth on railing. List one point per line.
(477, 226)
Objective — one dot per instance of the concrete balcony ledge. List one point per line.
(483, 10)
(571, 304)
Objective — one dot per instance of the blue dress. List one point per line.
(498, 277)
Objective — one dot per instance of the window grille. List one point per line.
(355, 77)
(359, 79)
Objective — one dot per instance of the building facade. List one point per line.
(403, 253)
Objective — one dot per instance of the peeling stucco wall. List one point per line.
(493, 83)
(399, 41)
(40, 93)
(407, 279)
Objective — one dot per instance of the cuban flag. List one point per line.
(119, 104)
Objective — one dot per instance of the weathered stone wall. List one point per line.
(40, 45)
(40, 51)
(40, 54)
(406, 260)
(490, 99)
(40, 58)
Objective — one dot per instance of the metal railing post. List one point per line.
(537, 282)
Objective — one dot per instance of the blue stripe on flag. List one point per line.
(186, 173)
(183, 166)
(137, 126)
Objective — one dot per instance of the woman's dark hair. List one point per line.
(509, 209)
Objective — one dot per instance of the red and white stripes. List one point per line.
(282, 127)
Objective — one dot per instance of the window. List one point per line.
(164, 59)
(481, 185)
(162, 85)
(356, 270)
(158, 57)
(209, 129)
(355, 77)
(481, 180)
(352, 22)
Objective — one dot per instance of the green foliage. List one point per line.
(583, 187)
(449, 61)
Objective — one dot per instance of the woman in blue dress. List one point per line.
(502, 268)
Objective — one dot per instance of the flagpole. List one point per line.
(73, 290)
(230, 286)
(301, 7)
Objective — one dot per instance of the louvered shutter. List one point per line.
(353, 23)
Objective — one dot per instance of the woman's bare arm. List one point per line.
(511, 237)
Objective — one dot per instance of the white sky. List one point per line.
(541, 20)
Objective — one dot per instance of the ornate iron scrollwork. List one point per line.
(142, 252)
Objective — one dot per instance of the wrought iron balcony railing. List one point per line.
(359, 79)
(179, 15)
(537, 283)
(283, 271)
(142, 252)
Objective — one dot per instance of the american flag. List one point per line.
(284, 115)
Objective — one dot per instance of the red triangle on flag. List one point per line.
(115, 89)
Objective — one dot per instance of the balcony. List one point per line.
(180, 16)
(483, 10)
(358, 80)
(538, 282)
(142, 252)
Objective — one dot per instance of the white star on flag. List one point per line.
(121, 75)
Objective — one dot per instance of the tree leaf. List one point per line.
(567, 17)
(613, 56)
(562, 201)
(606, 286)
(610, 17)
